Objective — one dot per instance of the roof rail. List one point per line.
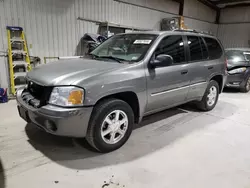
(193, 31)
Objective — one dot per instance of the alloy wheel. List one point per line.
(212, 95)
(114, 127)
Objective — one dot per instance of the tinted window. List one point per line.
(214, 49)
(203, 49)
(173, 46)
(195, 48)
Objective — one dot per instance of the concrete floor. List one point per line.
(178, 148)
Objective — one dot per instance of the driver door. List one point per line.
(168, 86)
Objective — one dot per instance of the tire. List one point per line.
(246, 87)
(205, 104)
(98, 126)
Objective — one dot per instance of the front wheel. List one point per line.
(110, 125)
(246, 87)
(210, 97)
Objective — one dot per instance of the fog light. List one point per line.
(50, 125)
(236, 83)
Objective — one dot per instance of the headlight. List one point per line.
(236, 71)
(67, 96)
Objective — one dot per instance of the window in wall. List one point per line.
(194, 48)
(173, 46)
(214, 48)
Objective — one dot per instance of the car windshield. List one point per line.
(237, 56)
(126, 47)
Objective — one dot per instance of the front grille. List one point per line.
(36, 95)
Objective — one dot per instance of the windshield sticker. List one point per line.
(142, 41)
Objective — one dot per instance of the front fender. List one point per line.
(129, 79)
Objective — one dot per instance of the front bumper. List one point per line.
(236, 80)
(72, 122)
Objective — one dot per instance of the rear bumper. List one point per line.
(72, 122)
(225, 78)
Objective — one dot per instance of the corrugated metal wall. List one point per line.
(52, 28)
(197, 15)
(4, 73)
(235, 15)
(235, 26)
(234, 35)
(196, 9)
(201, 26)
(162, 5)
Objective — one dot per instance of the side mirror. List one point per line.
(162, 60)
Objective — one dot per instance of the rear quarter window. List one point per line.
(214, 48)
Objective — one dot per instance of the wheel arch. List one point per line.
(129, 97)
(219, 80)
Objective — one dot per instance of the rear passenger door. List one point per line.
(199, 72)
(205, 58)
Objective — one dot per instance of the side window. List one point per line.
(214, 49)
(194, 48)
(204, 49)
(173, 46)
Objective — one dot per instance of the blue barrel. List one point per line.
(3, 95)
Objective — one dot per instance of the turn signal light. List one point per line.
(76, 97)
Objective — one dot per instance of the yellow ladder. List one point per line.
(18, 56)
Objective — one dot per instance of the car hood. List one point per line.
(232, 64)
(68, 72)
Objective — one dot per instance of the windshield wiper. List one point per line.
(119, 60)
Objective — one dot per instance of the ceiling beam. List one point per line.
(217, 19)
(228, 1)
(238, 5)
(181, 7)
(209, 4)
(178, 1)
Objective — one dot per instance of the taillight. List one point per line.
(226, 65)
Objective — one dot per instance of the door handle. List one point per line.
(184, 72)
(211, 67)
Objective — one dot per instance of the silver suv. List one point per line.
(129, 76)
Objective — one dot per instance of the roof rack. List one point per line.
(193, 31)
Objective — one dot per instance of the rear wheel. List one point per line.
(210, 97)
(110, 126)
(246, 87)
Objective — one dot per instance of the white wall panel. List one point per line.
(201, 26)
(195, 9)
(4, 73)
(52, 28)
(240, 14)
(163, 5)
(235, 26)
(234, 35)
